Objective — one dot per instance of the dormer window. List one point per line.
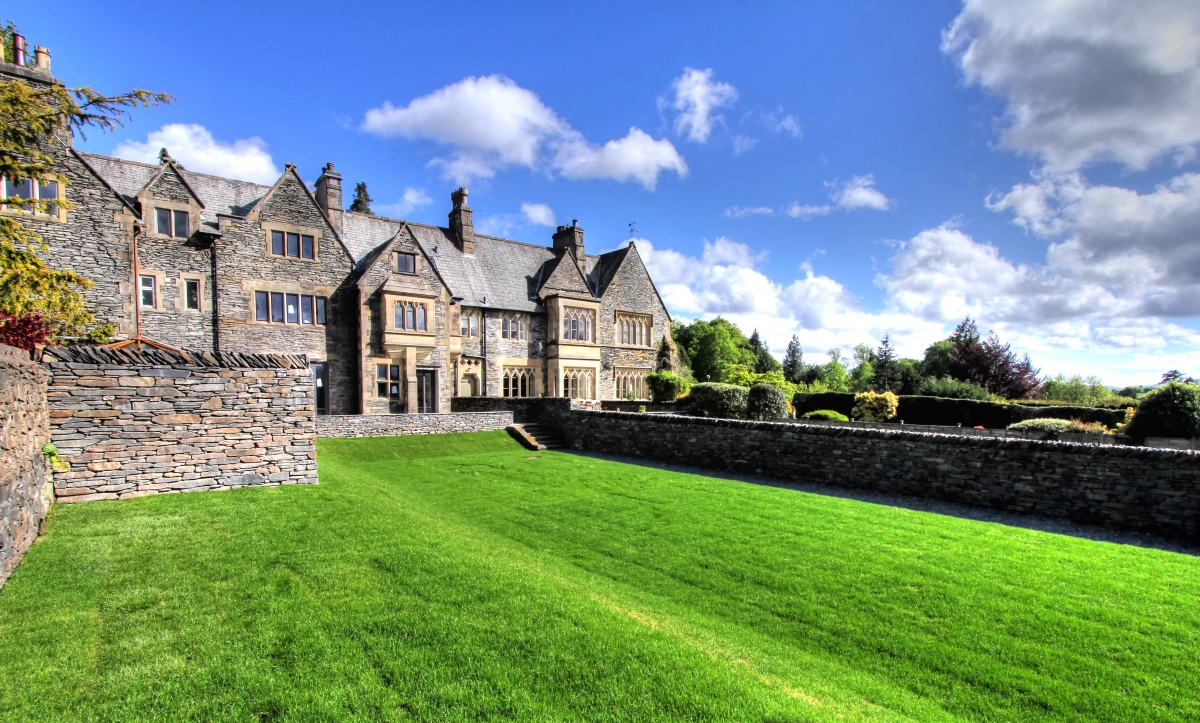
(172, 223)
(406, 263)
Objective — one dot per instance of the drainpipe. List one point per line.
(483, 348)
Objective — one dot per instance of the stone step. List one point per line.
(534, 436)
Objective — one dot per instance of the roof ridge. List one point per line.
(182, 169)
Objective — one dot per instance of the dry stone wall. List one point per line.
(134, 423)
(1138, 488)
(24, 479)
(397, 425)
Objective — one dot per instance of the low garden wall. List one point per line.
(1138, 488)
(134, 423)
(395, 425)
(25, 491)
(938, 411)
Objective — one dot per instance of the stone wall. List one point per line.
(1149, 490)
(396, 425)
(24, 478)
(134, 423)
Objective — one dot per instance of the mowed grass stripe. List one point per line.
(461, 577)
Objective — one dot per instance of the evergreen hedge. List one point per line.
(766, 402)
(726, 401)
(1172, 410)
(967, 412)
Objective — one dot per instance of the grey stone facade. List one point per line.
(112, 236)
(134, 423)
(25, 491)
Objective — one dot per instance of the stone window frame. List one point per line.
(577, 317)
(387, 309)
(528, 373)
(579, 382)
(419, 309)
(150, 214)
(60, 214)
(270, 287)
(205, 304)
(160, 282)
(633, 328)
(395, 266)
(511, 319)
(392, 387)
(631, 378)
(286, 228)
(474, 319)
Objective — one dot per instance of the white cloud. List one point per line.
(411, 200)
(1087, 81)
(742, 212)
(779, 122)
(741, 144)
(1066, 323)
(538, 214)
(797, 210)
(491, 123)
(858, 192)
(636, 157)
(195, 148)
(696, 97)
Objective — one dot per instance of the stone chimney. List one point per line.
(462, 228)
(329, 195)
(570, 238)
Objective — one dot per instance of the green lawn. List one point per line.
(461, 577)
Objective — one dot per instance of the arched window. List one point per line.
(577, 324)
(409, 313)
(474, 325)
(398, 321)
(420, 317)
(633, 329)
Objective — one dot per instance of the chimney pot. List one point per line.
(18, 49)
(41, 58)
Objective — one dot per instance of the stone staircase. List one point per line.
(535, 435)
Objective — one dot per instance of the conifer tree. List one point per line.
(763, 361)
(793, 362)
(362, 199)
(886, 368)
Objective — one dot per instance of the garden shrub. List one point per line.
(1172, 410)
(826, 414)
(874, 407)
(711, 399)
(967, 412)
(766, 402)
(1049, 424)
(950, 388)
(666, 386)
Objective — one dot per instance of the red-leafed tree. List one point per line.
(991, 364)
(23, 332)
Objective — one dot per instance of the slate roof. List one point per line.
(220, 195)
(502, 273)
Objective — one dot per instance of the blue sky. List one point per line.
(831, 171)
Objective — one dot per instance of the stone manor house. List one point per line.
(394, 316)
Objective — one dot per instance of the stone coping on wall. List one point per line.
(897, 432)
(1146, 489)
(149, 356)
(398, 425)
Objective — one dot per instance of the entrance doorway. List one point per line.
(426, 391)
(320, 374)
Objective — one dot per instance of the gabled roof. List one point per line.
(561, 274)
(606, 268)
(170, 165)
(219, 195)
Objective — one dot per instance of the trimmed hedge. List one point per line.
(967, 412)
(826, 414)
(1169, 411)
(766, 402)
(726, 401)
